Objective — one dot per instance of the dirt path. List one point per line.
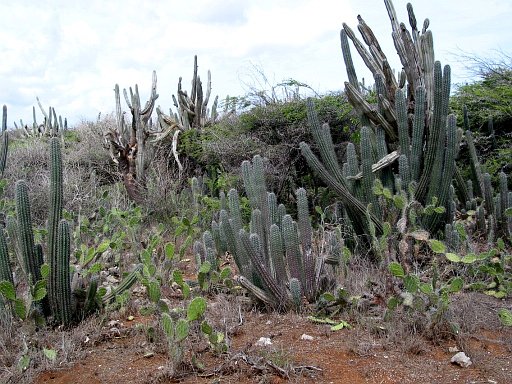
(345, 356)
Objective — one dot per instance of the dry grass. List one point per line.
(19, 339)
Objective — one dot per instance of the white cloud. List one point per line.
(72, 53)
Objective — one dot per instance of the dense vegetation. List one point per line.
(382, 179)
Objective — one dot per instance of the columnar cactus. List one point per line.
(129, 147)
(26, 235)
(276, 257)
(54, 217)
(4, 145)
(61, 296)
(425, 145)
(5, 265)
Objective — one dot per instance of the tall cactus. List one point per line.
(61, 296)
(26, 235)
(130, 147)
(425, 144)
(4, 145)
(54, 217)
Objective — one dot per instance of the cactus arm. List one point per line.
(356, 209)
(434, 136)
(25, 230)
(5, 265)
(63, 311)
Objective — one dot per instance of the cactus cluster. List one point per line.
(192, 111)
(59, 297)
(275, 254)
(410, 123)
(59, 303)
(132, 148)
(51, 126)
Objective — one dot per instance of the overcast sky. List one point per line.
(71, 53)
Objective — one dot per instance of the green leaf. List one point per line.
(196, 308)
(329, 297)
(439, 209)
(470, 258)
(89, 256)
(182, 329)
(496, 294)
(7, 289)
(321, 320)
(103, 246)
(185, 289)
(377, 188)
(145, 256)
(505, 317)
(340, 325)
(154, 291)
(186, 244)
(39, 294)
(399, 201)
(454, 258)
(96, 268)
(456, 285)
(168, 325)
(396, 269)
(508, 212)
(393, 302)
(411, 283)
(388, 195)
(386, 230)
(426, 288)
(177, 276)
(169, 251)
(437, 246)
(225, 273)
(20, 309)
(205, 267)
(206, 328)
(45, 270)
(50, 354)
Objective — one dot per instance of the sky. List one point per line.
(71, 53)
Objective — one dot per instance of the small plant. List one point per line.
(489, 272)
(429, 297)
(178, 326)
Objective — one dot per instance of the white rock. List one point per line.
(263, 342)
(112, 280)
(453, 349)
(461, 359)
(306, 337)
